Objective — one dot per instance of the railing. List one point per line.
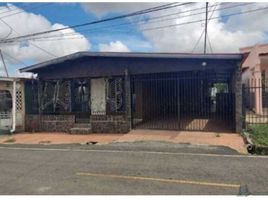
(5, 115)
(255, 101)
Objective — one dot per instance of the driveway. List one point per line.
(45, 170)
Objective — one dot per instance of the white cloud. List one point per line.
(225, 36)
(222, 37)
(103, 8)
(116, 46)
(26, 23)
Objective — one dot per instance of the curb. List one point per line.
(243, 190)
(251, 148)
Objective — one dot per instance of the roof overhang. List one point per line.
(180, 56)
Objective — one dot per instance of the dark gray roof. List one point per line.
(130, 55)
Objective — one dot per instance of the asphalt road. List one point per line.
(39, 170)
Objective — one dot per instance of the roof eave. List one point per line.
(33, 68)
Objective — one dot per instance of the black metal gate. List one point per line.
(183, 101)
(255, 102)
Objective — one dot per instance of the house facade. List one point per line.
(101, 92)
(12, 105)
(254, 77)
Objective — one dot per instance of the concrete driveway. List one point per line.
(234, 141)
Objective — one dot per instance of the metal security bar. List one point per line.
(195, 101)
(255, 101)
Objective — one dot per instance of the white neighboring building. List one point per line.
(12, 105)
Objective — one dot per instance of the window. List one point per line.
(5, 101)
(115, 95)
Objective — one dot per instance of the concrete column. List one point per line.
(98, 96)
(258, 90)
(128, 99)
(238, 100)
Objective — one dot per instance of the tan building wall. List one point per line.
(253, 67)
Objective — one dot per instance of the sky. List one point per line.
(226, 34)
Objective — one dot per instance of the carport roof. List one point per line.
(32, 68)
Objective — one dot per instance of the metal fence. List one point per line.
(183, 101)
(255, 102)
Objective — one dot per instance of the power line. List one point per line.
(22, 10)
(196, 21)
(4, 64)
(150, 21)
(146, 23)
(13, 58)
(31, 42)
(204, 29)
(10, 29)
(210, 46)
(206, 26)
(153, 9)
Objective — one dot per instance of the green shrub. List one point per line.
(259, 134)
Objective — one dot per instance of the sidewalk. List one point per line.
(234, 141)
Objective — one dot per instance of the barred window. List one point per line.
(115, 95)
(5, 101)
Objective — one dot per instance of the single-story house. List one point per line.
(254, 78)
(12, 104)
(104, 92)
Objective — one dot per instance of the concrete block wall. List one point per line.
(109, 124)
(49, 123)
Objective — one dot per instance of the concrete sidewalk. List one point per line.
(234, 141)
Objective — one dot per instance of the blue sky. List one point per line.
(72, 13)
(69, 14)
(232, 32)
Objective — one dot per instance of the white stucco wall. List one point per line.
(6, 123)
(98, 96)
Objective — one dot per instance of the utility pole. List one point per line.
(206, 27)
(4, 64)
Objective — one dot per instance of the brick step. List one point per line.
(80, 130)
(82, 125)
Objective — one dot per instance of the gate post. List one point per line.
(238, 100)
(243, 107)
(128, 99)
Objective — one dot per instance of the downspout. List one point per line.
(14, 107)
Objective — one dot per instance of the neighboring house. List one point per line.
(254, 77)
(115, 92)
(11, 105)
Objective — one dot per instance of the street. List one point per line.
(41, 170)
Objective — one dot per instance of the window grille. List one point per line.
(19, 100)
(5, 115)
(5, 101)
(115, 95)
(55, 96)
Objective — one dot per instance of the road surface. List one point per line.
(40, 170)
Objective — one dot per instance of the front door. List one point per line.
(81, 100)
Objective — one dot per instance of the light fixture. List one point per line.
(204, 64)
